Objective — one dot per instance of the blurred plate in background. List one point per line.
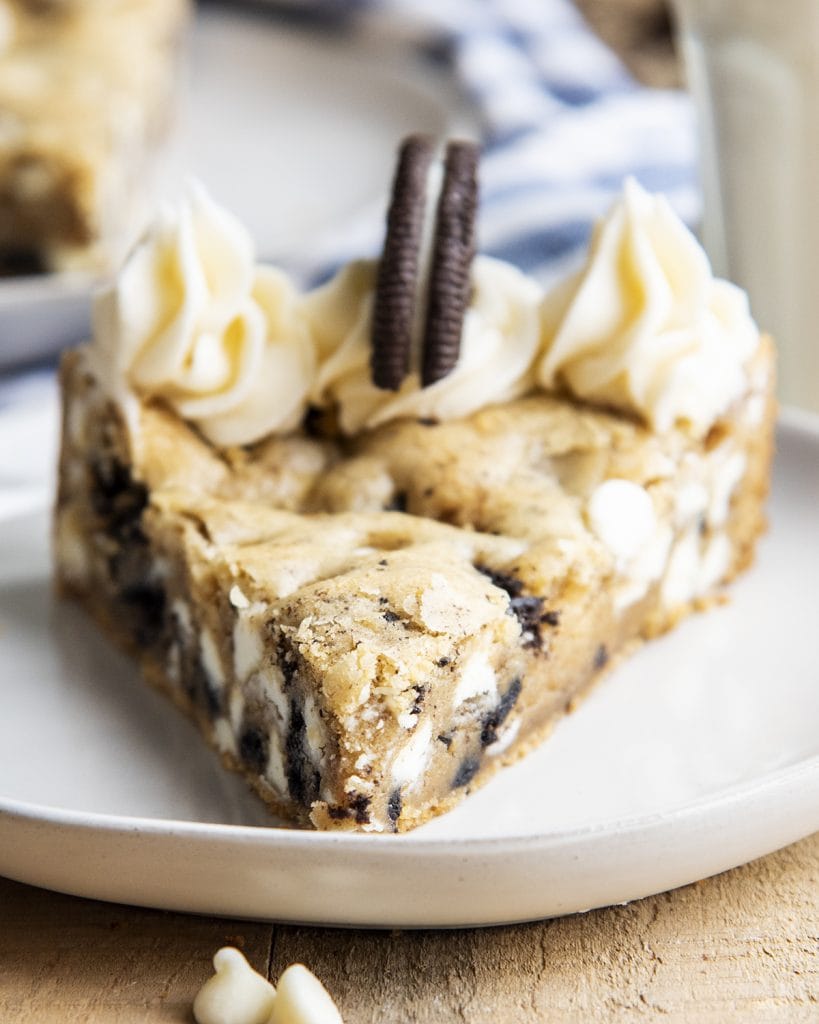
(292, 129)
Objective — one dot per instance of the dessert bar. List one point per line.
(372, 597)
(86, 90)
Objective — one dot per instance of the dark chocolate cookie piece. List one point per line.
(453, 252)
(395, 291)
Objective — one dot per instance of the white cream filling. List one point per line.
(505, 740)
(248, 644)
(478, 678)
(314, 732)
(236, 709)
(275, 771)
(271, 682)
(211, 659)
(408, 766)
(182, 613)
(434, 184)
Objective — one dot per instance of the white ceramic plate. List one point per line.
(700, 753)
(295, 131)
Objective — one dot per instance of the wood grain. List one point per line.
(742, 947)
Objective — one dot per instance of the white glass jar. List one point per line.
(753, 67)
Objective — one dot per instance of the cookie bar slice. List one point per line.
(85, 90)
(365, 668)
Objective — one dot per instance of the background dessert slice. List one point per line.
(86, 93)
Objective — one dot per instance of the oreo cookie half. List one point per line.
(453, 252)
(395, 290)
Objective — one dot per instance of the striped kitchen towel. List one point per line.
(561, 120)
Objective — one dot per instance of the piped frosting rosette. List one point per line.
(192, 319)
(237, 350)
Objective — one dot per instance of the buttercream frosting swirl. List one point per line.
(500, 341)
(235, 349)
(193, 320)
(644, 326)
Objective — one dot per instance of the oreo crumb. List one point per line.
(601, 657)
(254, 748)
(446, 739)
(495, 719)
(338, 813)
(394, 805)
(398, 503)
(391, 616)
(360, 806)
(383, 562)
(443, 662)
(420, 694)
(314, 421)
(118, 498)
(466, 772)
(147, 604)
(551, 618)
(528, 611)
(21, 262)
(302, 778)
(502, 580)
(198, 685)
(286, 658)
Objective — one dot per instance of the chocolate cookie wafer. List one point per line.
(453, 252)
(395, 291)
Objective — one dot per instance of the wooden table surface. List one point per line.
(742, 947)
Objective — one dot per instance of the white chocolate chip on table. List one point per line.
(302, 999)
(236, 994)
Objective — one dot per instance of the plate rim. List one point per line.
(804, 770)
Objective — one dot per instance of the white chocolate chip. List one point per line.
(248, 646)
(477, 678)
(211, 658)
(237, 597)
(235, 994)
(730, 472)
(505, 740)
(182, 614)
(302, 999)
(621, 514)
(411, 759)
(223, 736)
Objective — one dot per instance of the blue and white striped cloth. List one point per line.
(561, 120)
